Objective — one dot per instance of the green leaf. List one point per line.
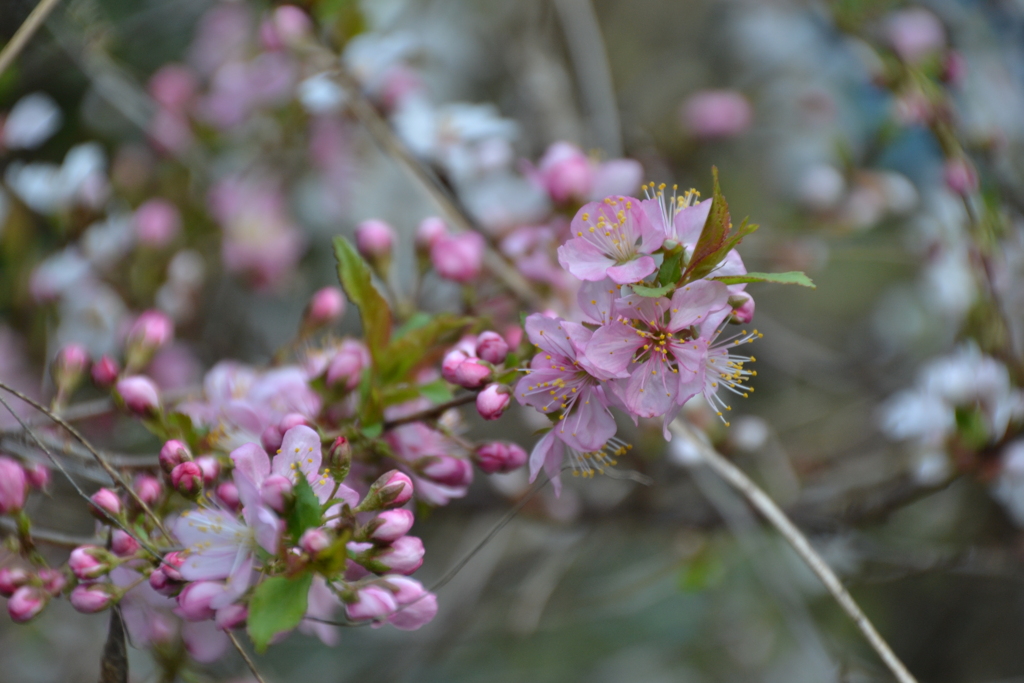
(794, 277)
(371, 407)
(715, 231)
(437, 391)
(671, 268)
(305, 514)
(644, 290)
(972, 427)
(415, 321)
(703, 572)
(410, 349)
(277, 605)
(373, 431)
(354, 275)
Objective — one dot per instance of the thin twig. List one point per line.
(25, 32)
(435, 411)
(245, 655)
(95, 454)
(777, 518)
(49, 536)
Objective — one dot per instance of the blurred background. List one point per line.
(821, 120)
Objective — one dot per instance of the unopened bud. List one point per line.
(339, 457)
(11, 579)
(172, 454)
(371, 602)
(429, 231)
(293, 420)
(404, 556)
(492, 401)
(37, 475)
(271, 438)
(742, 308)
(231, 616)
(492, 347)
(346, 367)
(458, 258)
(187, 479)
(157, 222)
(499, 457)
(139, 395)
(91, 597)
(444, 469)
(472, 373)
(960, 176)
(69, 368)
(172, 564)
(151, 331)
(326, 306)
(123, 544)
(228, 494)
(53, 580)
(210, 467)
(89, 562)
(375, 240)
(393, 489)
(107, 501)
(148, 488)
(390, 525)
(194, 600)
(13, 485)
(314, 541)
(276, 492)
(105, 372)
(26, 603)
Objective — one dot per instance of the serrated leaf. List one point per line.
(277, 605)
(437, 391)
(652, 292)
(305, 514)
(794, 277)
(671, 268)
(716, 230)
(354, 275)
(409, 350)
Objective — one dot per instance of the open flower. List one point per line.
(612, 238)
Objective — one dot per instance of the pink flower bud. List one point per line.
(742, 307)
(451, 363)
(346, 367)
(157, 222)
(13, 485)
(314, 541)
(194, 600)
(140, 395)
(37, 475)
(105, 371)
(271, 438)
(444, 469)
(391, 525)
(171, 564)
(89, 562)
(716, 114)
(91, 597)
(458, 258)
(293, 420)
(276, 492)
(499, 457)
(915, 34)
(340, 453)
(429, 231)
(107, 501)
(472, 373)
(492, 347)
(11, 579)
(960, 176)
(231, 616)
(174, 87)
(514, 336)
(372, 602)
(417, 606)
(172, 454)
(404, 556)
(492, 401)
(228, 494)
(325, 307)
(69, 368)
(566, 172)
(954, 68)
(162, 583)
(375, 239)
(122, 544)
(187, 479)
(26, 603)
(392, 489)
(151, 331)
(210, 467)
(53, 580)
(148, 488)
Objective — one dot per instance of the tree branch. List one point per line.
(25, 32)
(435, 411)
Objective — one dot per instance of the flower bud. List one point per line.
(157, 222)
(91, 597)
(293, 420)
(228, 494)
(162, 583)
(499, 457)
(105, 372)
(390, 525)
(231, 616)
(371, 602)
(171, 564)
(458, 258)
(123, 544)
(151, 331)
(89, 562)
(172, 454)
(716, 114)
(339, 458)
(960, 176)
(271, 438)
(444, 469)
(314, 541)
(194, 600)
(417, 606)
(276, 492)
(37, 475)
(13, 485)
(346, 367)
(107, 501)
(326, 306)
(148, 488)
(187, 479)
(69, 368)
(742, 308)
(472, 373)
(53, 580)
(210, 467)
(492, 401)
(393, 489)
(429, 231)
(404, 556)
(566, 172)
(375, 239)
(451, 363)
(492, 347)
(11, 579)
(139, 394)
(26, 603)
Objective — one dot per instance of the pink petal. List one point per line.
(611, 349)
(204, 641)
(548, 335)
(584, 260)
(629, 272)
(692, 303)
(690, 222)
(300, 450)
(252, 461)
(589, 425)
(597, 300)
(651, 389)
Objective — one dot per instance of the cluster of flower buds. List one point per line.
(28, 592)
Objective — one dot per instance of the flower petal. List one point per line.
(631, 271)
(692, 303)
(584, 260)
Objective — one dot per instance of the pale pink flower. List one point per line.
(416, 606)
(612, 238)
(716, 114)
(458, 258)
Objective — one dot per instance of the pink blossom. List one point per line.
(346, 367)
(565, 172)
(680, 216)
(446, 470)
(491, 347)
(140, 394)
(391, 525)
(148, 489)
(157, 222)
(195, 602)
(716, 114)
(277, 492)
(91, 597)
(492, 401)
(430, 230)
(499, 457)
(13, 485)
(416, 606)
(187, 479)
(231, 616)
(210, 468)
(458, 258)
(123, 544)
(174, 87)
(372, 602)
(172, 454)
(107, 501)
(325, 307)
(611, 238)
(227, 491)
(375, 239)
(26, 603)
(38, 475)
(11, 579)
(152, 330)
(314, 541)
(105, 371)
(915, 34)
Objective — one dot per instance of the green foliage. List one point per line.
(354, 275)
(277, 605)
(437, 391)
(972, 427)
(652, 292)
(794, 277)
(715, 240)
(415, 344)
(305, 514)
(671, 268)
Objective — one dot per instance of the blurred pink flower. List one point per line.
(716, 114)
